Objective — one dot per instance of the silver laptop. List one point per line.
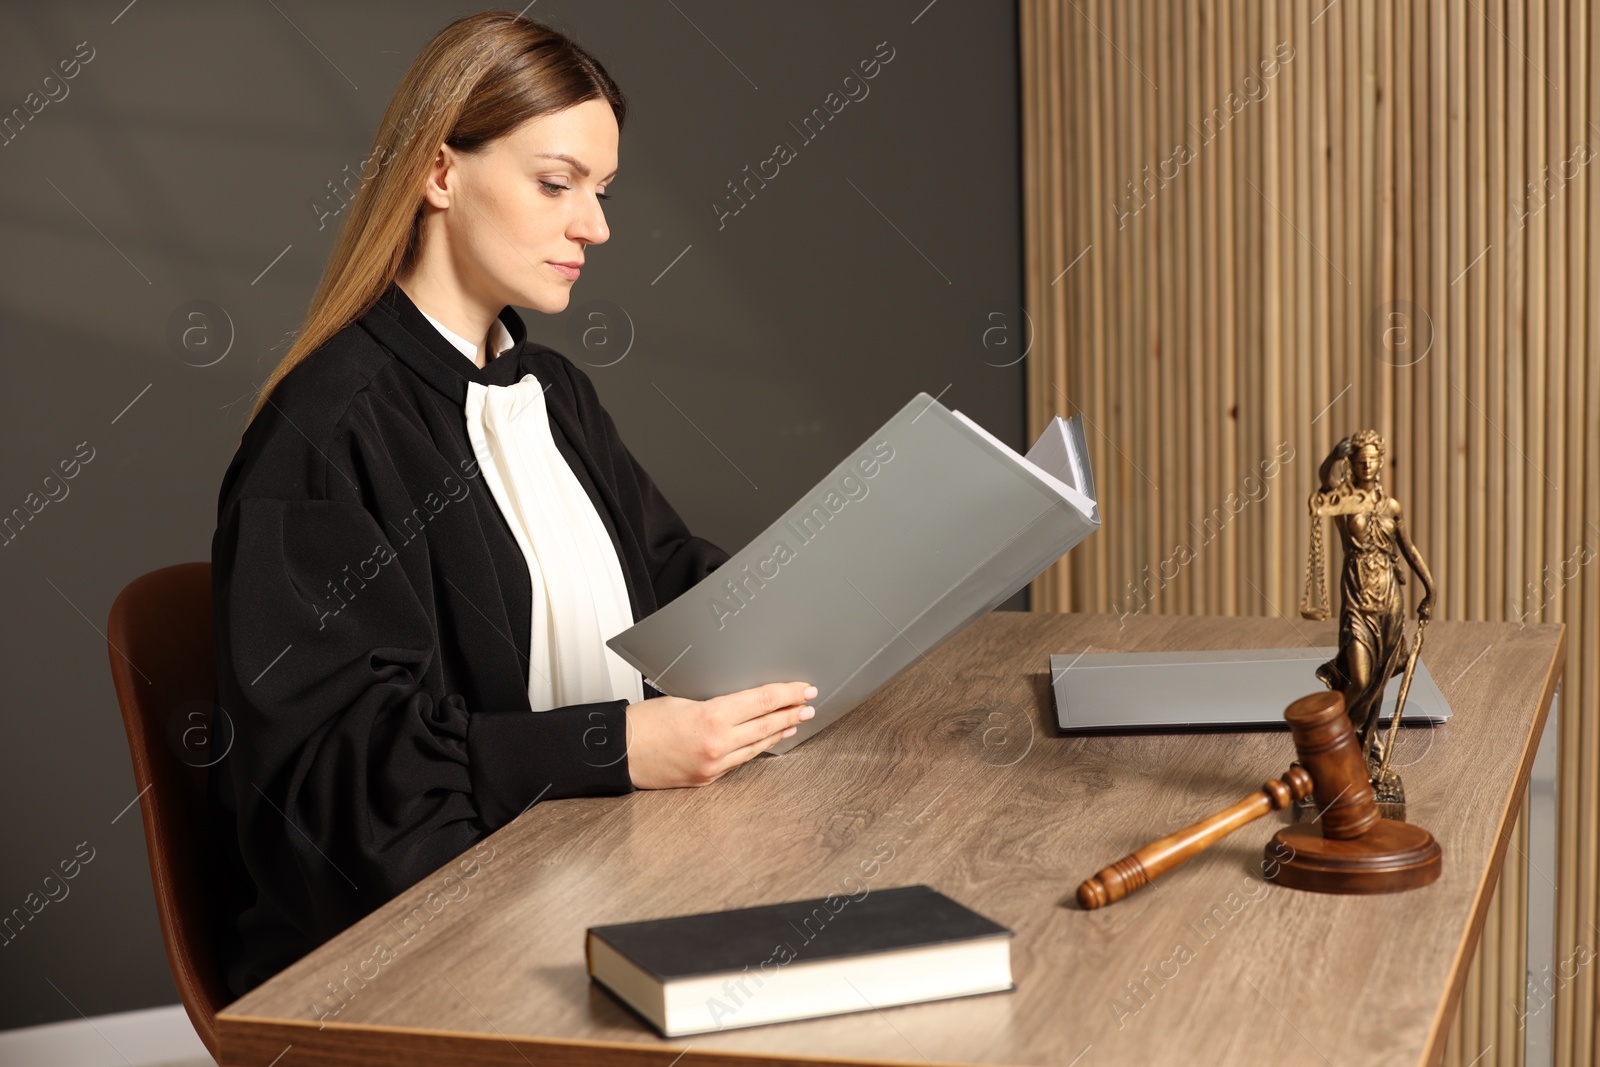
(1227, 689)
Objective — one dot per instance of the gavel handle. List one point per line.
(1159, 857)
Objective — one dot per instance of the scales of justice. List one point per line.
(1352, 836)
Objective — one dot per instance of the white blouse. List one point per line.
(502, 338)
(580, 597)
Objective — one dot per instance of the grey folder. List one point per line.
(923, 529)
(1209, 690)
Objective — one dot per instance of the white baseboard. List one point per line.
(154, 1037)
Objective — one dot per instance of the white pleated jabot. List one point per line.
(580, 597)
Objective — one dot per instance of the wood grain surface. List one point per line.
(954, 776)
(1414, 247)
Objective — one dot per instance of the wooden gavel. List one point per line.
(1356, 851)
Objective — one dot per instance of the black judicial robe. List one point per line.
(371, 616)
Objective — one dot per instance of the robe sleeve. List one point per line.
(354, 774)
(677, 559)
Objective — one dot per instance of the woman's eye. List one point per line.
(557, 190)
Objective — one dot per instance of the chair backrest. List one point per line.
(160, 641)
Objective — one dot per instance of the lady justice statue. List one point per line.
(1372, 643)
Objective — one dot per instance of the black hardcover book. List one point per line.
(711, 971)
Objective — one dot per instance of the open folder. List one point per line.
(927, 526)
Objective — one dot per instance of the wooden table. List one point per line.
(954, 776)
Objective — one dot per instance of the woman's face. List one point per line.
(516, 209)
(1364, 465)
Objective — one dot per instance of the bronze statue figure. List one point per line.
(1372, 642)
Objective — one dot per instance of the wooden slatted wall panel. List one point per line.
(1254, 226)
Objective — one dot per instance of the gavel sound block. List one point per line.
(1355, 851)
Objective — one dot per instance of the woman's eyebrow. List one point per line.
(579, 167)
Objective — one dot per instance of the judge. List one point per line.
(431, 525)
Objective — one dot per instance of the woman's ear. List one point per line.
(438, 188)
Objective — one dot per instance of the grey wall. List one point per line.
(183, 164)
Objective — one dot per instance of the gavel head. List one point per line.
(1326, 744)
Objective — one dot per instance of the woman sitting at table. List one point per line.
(431, 525)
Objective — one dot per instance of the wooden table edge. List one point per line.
(1438, 1034)
(249, 1031)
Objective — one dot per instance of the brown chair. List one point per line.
(160, 642)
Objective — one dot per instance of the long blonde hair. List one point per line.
(478, 79)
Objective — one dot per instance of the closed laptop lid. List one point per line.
(1227, 689)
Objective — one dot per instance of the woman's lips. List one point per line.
(570, 273)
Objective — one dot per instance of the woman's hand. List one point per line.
(677, 742)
